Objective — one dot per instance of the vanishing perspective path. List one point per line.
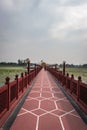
(47, 108)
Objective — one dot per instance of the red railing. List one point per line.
(75, 88)
(11, 92)
(3, 100)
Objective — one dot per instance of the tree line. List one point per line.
(20, 62)
(74, 66)
(24, 63)
(11, 64)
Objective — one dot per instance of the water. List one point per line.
(1, 84)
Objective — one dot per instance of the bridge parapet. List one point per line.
(11, 92)
(75, 88)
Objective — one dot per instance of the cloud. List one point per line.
(46, 24)
(75, 2)
(5, 5)
(74, 23)
(18, 5)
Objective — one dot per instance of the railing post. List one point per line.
(71, 87)
(62, 80)
(8, 98)
(67, 80)
(78, 87)
(28, 69)
(26, 78)
(64, 68)
(16, 78)
(35, 70)
(55, 66)
(22, 82)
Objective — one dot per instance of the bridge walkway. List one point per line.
(47, 108)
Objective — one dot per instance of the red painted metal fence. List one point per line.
(76, 88)
(11, 92)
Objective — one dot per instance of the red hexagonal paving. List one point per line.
(39, 112)
(63, 105)
(26, 121)
(47, 108)
(34, 94)
(73, 123)
(48, 105)
(46, 94)
(49, 122)
(31, 104)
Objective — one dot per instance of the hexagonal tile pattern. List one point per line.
(46, 94)
(34, 94)
(36, 89)
(59, 95)
(63, 105)
(58, 112)
(25, 122)
(40, 98)
(47, 108)
(31, 104)
(39, 112)
(49, 122)
(55, 89)
(73, 123)
(47, 105)
(45, 89)
(22, 111)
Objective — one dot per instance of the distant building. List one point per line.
(44, 65)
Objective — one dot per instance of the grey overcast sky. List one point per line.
(52, 30)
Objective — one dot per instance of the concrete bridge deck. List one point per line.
(47, 108)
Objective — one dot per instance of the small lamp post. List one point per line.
(64, 67)
(28, 62)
